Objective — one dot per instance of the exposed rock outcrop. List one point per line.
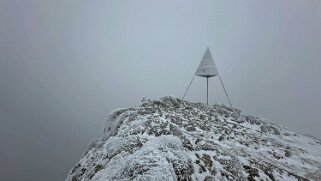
(170, 139)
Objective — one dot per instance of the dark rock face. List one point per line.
(170, 139)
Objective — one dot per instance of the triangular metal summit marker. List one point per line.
(207, 66)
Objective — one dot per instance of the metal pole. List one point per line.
(188, 87)
(207, 91)
(228, 99)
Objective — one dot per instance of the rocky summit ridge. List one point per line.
(170, 139)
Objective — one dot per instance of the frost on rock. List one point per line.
(113, 122)
(158, 159)
(170, 139)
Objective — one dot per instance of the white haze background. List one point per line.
(65, 64)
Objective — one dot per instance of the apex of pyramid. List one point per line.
(207, 54)
(207, 66)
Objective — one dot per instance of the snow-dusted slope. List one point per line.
(170, 139)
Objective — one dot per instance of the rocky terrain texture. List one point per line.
(170, 139)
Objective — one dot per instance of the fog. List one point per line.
(65, 64)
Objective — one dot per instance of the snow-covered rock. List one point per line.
(170, 139)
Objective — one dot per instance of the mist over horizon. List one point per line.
(65, 65)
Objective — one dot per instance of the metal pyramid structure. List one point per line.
(207, 69)
(207, 66)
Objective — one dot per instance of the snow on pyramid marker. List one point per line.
(207, 66)
(208, 69)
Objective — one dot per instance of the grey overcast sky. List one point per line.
(65, 64)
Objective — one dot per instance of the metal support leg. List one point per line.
(228, 99)
(188, 87)
(207, 91)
